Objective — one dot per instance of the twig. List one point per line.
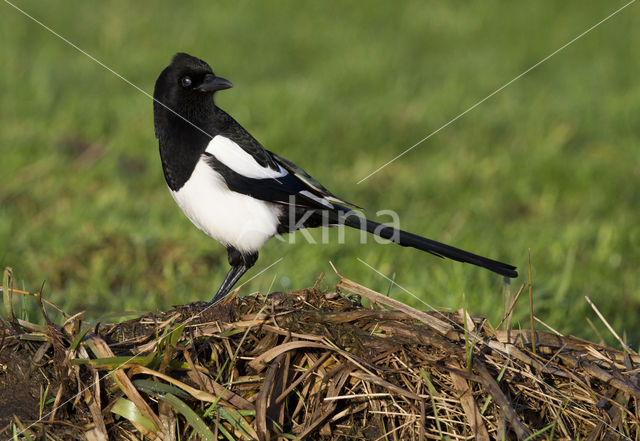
(533, 337)
(513, 304)
(624, 346)
(547, 326)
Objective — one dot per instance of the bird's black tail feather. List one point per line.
(407, 239)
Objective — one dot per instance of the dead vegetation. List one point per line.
(309, 365)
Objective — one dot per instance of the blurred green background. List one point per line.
(550, 164)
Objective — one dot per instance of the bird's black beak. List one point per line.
(212, 83)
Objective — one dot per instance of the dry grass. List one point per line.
(310, 365)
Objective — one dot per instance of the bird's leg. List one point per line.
(233, 276)
(240, 264)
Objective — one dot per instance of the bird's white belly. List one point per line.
(231, 218)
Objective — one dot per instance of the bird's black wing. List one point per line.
(286, 189)
(309, 181)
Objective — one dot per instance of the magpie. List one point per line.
(238, 192)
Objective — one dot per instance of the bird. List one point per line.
(241, 194)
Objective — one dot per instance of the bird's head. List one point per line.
(186, 86)
(187, 76)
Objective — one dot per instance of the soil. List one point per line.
(21, 384)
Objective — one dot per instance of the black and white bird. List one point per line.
(241, 194)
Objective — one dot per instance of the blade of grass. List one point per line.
(191, 416)
(236, 419)
(432, 393)
(128, 409)
(539, 432)
(7, 291)
(156, 388)
(488, 400)
(116, 362)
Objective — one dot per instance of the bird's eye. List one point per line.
(185, 81)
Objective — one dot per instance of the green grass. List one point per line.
(551, 163)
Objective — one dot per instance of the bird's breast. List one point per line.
(229, 217)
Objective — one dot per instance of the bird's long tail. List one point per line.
(407, 239)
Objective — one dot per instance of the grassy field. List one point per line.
(550, 164)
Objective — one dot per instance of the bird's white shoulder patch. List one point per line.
(238, 160)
